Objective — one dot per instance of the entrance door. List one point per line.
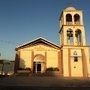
(36, 67)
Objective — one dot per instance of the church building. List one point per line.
(70, 58)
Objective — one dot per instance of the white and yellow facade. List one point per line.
(38, 54)
(71, 57)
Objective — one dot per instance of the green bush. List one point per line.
(28, 69)
(56, 69)
(24, 69)
(52, 69)
(20, 68)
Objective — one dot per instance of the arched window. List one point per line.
(78, 37)
(68, 19)
(76, 19)
(70, 37)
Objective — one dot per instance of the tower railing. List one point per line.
(69, 23)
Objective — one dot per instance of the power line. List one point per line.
(9, 42)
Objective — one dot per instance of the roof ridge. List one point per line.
(35, 40)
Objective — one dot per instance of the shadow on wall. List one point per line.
(21, 65)
(18, 65)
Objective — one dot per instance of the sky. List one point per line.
(24, 20)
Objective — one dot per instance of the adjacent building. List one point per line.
(6, 67)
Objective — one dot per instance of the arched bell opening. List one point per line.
(68, 19)
(70, 37)
(76, 19)
(78, 36)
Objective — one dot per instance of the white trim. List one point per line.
(35, 40)
(38, 60)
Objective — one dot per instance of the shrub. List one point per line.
(49, 69)
(28, 69)
(52, 69)
(20, 68)
(56, 69)
(24, 69)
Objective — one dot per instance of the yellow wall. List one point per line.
(76, 67)
(83, 64)
(52, 59)
(51, 55)
(25, 58)
(65, 63)
(87, 59)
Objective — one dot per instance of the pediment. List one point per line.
(38, 42)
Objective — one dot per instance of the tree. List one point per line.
(2, 63)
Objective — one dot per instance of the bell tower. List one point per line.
(72, 27)
(74, 52)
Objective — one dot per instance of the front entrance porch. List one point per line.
(39, 64)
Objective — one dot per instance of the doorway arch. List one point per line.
(39, 63)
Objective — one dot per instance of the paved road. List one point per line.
(44, 81)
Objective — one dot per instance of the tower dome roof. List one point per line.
(70, 8)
